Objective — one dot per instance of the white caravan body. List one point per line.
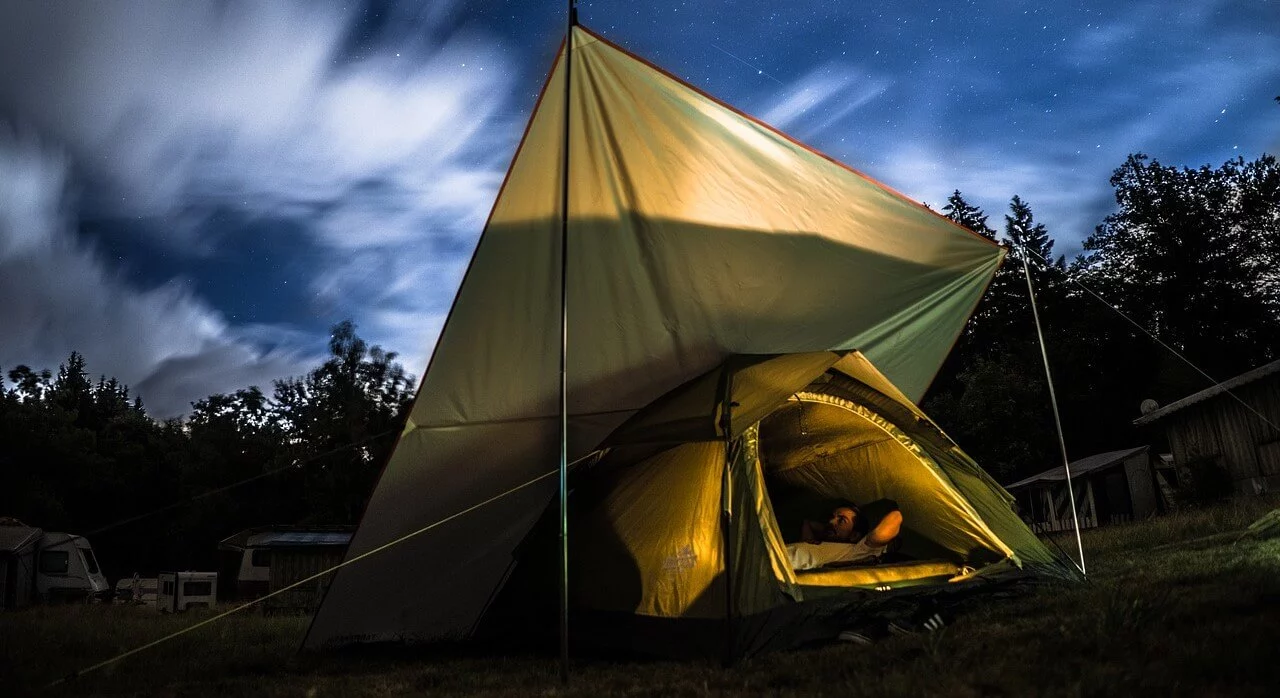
(67, 570)
(179, 591)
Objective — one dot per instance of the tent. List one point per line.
(698, 238)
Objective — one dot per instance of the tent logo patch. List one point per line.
(684, 559)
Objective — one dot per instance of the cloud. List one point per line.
(1057, 138)
(822, 98)
(59, 297)
(386, 150)
(1070, 199)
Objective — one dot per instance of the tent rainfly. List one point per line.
(746, 316)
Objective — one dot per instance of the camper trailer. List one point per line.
(179, 591)
(67, 570)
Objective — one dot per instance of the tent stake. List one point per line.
(1053, 399)
(564, 351)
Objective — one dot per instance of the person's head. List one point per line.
(843, 525)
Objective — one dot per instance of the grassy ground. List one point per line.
(1175, 606)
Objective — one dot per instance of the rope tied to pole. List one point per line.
(1053, 399)
(1168, 348)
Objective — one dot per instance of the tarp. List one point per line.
(695, 233)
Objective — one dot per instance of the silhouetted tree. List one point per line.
(345, 415)
(29, 384)
(967, 215)
(1192, 255)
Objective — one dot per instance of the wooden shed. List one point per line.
(271, 558)
(1225, 437)
(1113, 487)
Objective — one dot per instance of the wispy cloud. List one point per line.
(1070, 199)
(388, 160)
(60, 297)
(822, 98)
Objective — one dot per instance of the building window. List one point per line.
(261, 558)
(54, 562)
(197, 588)
(89, 560)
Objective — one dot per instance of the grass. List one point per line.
(1180, 605)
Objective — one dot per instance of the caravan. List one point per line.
(67, 570)
(180, 591)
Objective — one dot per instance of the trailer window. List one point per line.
(197, 588)
(261, 558)
(90, 560)
(54, 562)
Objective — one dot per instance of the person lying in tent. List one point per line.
(843, 539)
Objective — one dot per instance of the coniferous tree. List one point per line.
(967, 215)
(1022, 230)
(72, 389)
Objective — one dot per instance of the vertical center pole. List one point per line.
(726, 513)
(1053, 399)
(564, 352)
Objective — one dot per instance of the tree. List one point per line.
(29, 384)
(991, 394)
(967, 215)
(72, 390)
(1022, 230)
(343, 418)
(1192, 255)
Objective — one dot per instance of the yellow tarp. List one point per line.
(695, 233)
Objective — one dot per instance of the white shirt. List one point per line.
(809, 556)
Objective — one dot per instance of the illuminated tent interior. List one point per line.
(691, 237)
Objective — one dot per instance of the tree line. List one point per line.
(80, 456)
(1191, 254)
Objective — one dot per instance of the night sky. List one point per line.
(192, 193)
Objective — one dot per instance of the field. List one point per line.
(1181, 605)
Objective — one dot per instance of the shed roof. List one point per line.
(15, 538)
(1224, 387)
(1080, 467)
(288, 537)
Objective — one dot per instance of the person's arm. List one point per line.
(886, 530)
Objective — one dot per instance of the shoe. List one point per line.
(855, 637)
(931, 624)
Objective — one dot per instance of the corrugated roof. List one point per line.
(1078, 467)
(1214, 391)
(287, 536)
(279, 539)
(14, 538)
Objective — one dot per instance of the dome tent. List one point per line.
(677, 549)
(695, 234)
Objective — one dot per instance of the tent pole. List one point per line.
(726, 512)
(1053, 399)
(572, 20)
